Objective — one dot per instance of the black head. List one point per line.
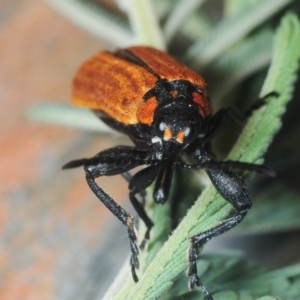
(177, 124)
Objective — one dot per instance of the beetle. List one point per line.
(162, 106)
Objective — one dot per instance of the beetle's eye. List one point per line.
(160, 129)
(162, 126)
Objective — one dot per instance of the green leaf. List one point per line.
(96, 19)
(226, 295)
(145, 24)
(196, 26)
(249, 56)
(180, 11)
(210, 208)
(233, 277)
(232, 6)
(260, 129)
(230, 30)
(69, 116)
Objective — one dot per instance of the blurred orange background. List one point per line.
(54, 231)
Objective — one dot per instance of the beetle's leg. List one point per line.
(258, 104)
(219, 119)
(233, 189)
(122, 215)
(111, 162)
(139, 182)
(229, 164)
(127, 176)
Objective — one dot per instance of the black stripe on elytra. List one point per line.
(130, 57)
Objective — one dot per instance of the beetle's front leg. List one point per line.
(125, 217)
(111, 162)
(233, 189)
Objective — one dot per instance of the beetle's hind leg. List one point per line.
(233, 189)
(199, 240)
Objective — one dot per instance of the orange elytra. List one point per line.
(115, 83)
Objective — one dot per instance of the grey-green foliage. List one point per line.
(232, 277)
(246, 58)
(97, 20)
(276, 208)
(232, 29)
(228, 52)
(68, 115)
(253, 142)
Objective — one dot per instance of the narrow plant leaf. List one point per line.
(210, 208)
(67, 115)
(196, 25)
(283, 283)
(230, 30)
(259, 131)
(226, 295)
(233, 6)
(163, 7)
(233, 277)
(248, 57)
(180, 11)
(145, 24)
(96, 20)
(159, 233)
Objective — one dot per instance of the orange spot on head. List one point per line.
(174, 93)
(180, 137)
(167, 134)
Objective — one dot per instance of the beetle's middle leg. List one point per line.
(232, 189)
